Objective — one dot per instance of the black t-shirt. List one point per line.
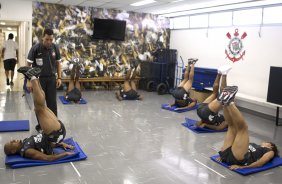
(255, 152)
(40, 56)
(38, 142)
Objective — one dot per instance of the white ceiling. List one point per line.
(158, 7)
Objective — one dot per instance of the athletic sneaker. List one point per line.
(38, 128)
(224, 69)
(227, 95)
(192, 61)
(28, 72)
(7, 82)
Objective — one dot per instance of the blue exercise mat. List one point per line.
(14, 125)
(191, 124)
(276, 161)
(16, 161)
(164, 106)
(64, 101)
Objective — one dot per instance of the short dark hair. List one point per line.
(48, 32)
(274, 149)
(7, 149)
(11, 36)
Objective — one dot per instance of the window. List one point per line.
(247, 17)
(220, 19)
(272, 15)
(179, 23)
(199, 21)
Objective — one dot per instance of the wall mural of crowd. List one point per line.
(73, 28)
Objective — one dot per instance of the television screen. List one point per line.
(109, 29)
(275, 85)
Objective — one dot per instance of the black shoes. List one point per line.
(227, 95)
(7, 82)
(192, 61)
(28, 72)
(38, 128)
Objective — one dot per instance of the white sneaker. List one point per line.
(224, 69)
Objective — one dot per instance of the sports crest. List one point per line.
(235, 50)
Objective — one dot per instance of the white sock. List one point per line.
(33, 78)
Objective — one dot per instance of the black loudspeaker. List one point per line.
(166, 56)
(150, 70)
(171, 74)
(274, 94)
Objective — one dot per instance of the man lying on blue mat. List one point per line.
(208, 111)
(39, 146)
(36, 147)
(236, 150)
(73, 92)
(48, 121)
(129, 90)
(181, 93)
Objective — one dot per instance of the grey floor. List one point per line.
(131, 142)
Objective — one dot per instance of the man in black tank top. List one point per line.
(236, 150)
(129, 90)
(181, 93)
(51, 126)
(208, 111)
(36, 147)
(73, 92)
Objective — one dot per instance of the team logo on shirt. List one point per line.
(53, 54)
(211, 117)
(235, 50)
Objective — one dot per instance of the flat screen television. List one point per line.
(274, 94)
(109, 29)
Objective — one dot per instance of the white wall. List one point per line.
(250, 74)
(16, 10)
(21, 11)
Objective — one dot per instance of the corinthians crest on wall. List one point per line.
(235, 50)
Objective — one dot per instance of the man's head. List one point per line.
(10, 36)
(12, 147)
(271, 146)
(48, 36)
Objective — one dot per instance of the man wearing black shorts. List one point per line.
(181, 93)
(10, 57)
(40, 146)
(73, 92)
(36, 147)
(129, 91)
(237, 151)
(208, 111)
(51, 126)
